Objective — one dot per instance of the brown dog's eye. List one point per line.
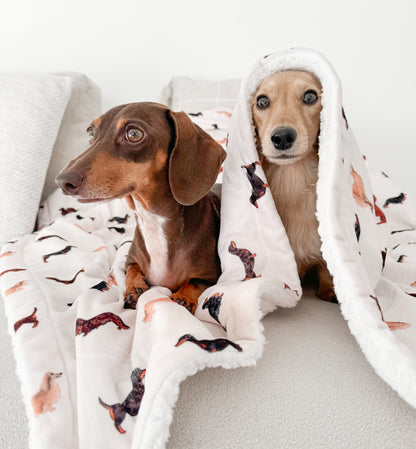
(310, 97)
(134, 135)
(262, 102)
(90, 134)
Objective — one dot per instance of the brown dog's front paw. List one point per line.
(185, 302)
(130, 300)
(136, 285)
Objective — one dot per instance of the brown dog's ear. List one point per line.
(195, 160)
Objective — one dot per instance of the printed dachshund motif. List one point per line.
(345, 118)
(100, 248)
(407, 243)
(358, 191)
(16, 288)
(119, 230)
(131, 404)
(12, 270)
(219, 344)
(395, 200)
(70, 281)
(7, 253)
(58, 253)
(86, 326)
(195, 114)
(288, 288)
(40, 239)
(149, 310)
(379, 213)
(69, 210)
(392, 232)
(246, 257)
(393, 325)
(82, 229)
(30, 319)
(383, 258)
(119, 220)
(101, 286)
(401, 258)
(357, 228)
(213, 304)
(48, 394)
(226, 113)
(111, 279)
(126, 241)
(257, 184)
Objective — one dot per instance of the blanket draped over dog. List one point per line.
(95, 375)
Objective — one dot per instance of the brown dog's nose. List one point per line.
(69, 182)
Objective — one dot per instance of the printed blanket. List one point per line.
(95, 375)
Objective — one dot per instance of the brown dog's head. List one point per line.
(286, 113)
(137, 150)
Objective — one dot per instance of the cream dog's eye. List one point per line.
(310, 97)
(262, 102)
(134, 135)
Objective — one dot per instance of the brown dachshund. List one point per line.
(164, 166)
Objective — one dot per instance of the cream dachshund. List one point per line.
(48, 393)
(286, 112)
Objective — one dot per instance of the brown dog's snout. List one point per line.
(283, 138)
(70, 182)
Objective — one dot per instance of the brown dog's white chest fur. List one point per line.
(293, 189)
(152, 229)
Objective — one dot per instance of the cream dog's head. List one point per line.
(286, 113)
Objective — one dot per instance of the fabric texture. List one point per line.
(44, 118)
(31, 110)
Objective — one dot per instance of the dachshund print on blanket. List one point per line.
(219, 344)
(213, 304)
(257, 184)
(246, 257)
(395, 200)
(47, 395)
(15, 288)
(66, 282)
(31, 319)
(86, 326)
(119, 220)
(131, 404)
(358, 190)
(101, 286)
(379, 213)
(58, 253)
(393, 325)
(45, 237)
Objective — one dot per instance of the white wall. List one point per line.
(132, 48)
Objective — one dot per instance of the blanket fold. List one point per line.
(96, 375)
